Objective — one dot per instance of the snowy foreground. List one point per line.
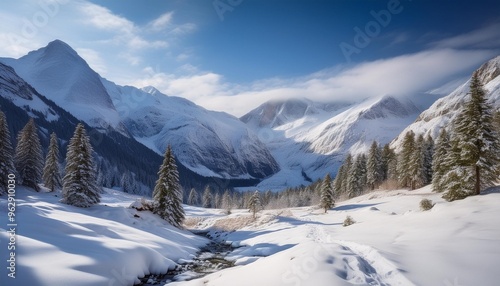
(391, 243)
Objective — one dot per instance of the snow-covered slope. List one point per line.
(60, 74)
(20, 93)
(442, 112)
(107, 244)
(311, 139)
(392, 242)
(207, 142)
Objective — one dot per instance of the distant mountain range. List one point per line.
(278, 144)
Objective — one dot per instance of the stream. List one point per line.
(210, 259)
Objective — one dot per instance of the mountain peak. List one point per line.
(489, 70)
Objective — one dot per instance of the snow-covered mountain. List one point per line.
(60, 74)
(21, 94)
(210, 143)
(311, 139)
(441, 113)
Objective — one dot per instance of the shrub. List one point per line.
(348, 221)
(426, 204)
(143, 205)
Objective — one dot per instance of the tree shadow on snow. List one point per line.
(353, 206)
(491, 190)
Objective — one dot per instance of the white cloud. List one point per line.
(162, 22)
(102, 18)
(399, 76)
(184, 29)
(483, 38)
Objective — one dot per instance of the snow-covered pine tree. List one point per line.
(51, 174)
(326, 200)
(254, 204)
(389, 163)
(404, 160)
(226, 202)
(477, 140)
(126, 182)
(6, 154)
(167, 193)
(374, 174)
(428, 157)
(29, 158)
(79, 183)
(193, 197)
(217, 200)
(340, 183)
(439, 169)
(356, 177)
(207, 198)
(457, 180)
(417, 169)
(362, 166)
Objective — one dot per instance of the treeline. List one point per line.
(230, 199)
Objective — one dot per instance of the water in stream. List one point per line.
(210, 258)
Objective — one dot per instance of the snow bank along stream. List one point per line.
(211, 258)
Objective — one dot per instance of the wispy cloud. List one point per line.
(161, 22)
(484, 38)
(399, 76)
(102, 18)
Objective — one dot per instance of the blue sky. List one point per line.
(232, 55)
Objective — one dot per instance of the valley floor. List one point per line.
(392, 242)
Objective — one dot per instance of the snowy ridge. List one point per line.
(207, 142)
(444, 110)
(310, 139)
(20, 93)
(60, 74)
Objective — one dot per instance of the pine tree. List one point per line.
(326, 201)
(126, 182)
(362, 166)
(404, 160)
(457, 180)
(193, 197)
(226, 202)
(356, 179)
(439, 169)
(79, 184)
(389, 163)
(477, 140)
(51, 174)
(416, 164)
(207, 197)
(217, 200)
(167, 193)
(428, 158)
(255, 205)
(339, 184)
(6, 155)
(374, 173)
(29, 158)
(341, 180)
